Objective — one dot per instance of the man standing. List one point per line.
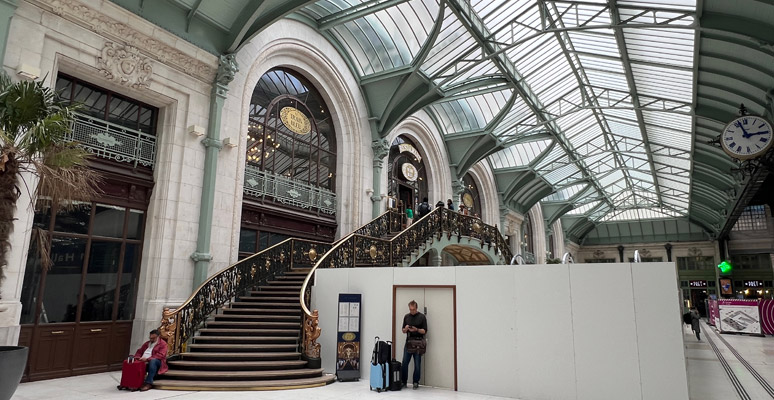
(695, 322)
(154, 353)
(415, 328)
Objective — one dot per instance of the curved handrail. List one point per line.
(179, 324)
(435, 222)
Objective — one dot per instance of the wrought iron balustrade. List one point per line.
(358, 250)
(111, 141)
(260, 184)
(179, 325)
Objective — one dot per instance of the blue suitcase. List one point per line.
(380, 367)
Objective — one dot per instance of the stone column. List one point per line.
(458, 189)
(7, 9)
(227, 68)
(381, 148)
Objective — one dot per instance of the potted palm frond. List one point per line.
(35, 160)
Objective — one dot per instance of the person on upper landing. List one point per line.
(449, 204)
(414, 326)
(154, 353)
(439, 205)
(423, 208)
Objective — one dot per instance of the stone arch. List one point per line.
(539, 232)
(422, 132)
(484, 177)
(311, 55)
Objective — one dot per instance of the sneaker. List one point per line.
(416, 385)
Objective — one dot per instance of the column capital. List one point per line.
(227, 69)
(212, 142)
(381, 149)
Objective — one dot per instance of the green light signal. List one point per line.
(725, 267)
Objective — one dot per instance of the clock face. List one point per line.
(747, 137)
(409, 172)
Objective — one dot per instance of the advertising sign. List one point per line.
(714, 315)
(348, 346)
(754, 284)
(698, 284)
(739, 316)
(725, 286)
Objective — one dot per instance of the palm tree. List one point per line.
(33, 124)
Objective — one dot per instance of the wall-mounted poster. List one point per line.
(348, 347)
(713, 312)
(739, 316)
(725, 286)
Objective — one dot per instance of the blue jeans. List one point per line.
(404, 368)
(153, 367)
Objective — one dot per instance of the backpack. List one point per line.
(423, 209)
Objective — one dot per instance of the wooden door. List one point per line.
(91, 348)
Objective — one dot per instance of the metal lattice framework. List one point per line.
(598, 110)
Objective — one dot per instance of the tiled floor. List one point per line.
(707, 380)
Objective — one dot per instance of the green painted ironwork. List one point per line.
(227, 68)
(285, 190)
(114, 142)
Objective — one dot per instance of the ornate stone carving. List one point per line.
(311, 333)
(227, 69)
(599, 254)
(694, 252)
(96, 21)
(380, 148)
(125, 65)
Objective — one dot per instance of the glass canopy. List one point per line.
(595, 97)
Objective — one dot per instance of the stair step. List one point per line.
(270, 299)
(249, 332)
(253, 325)
(242, 347)
(295, 289)
(304, 272)
(242, 375)
(251, 304)
(237, 365)
(278, 293)
(198, 385)
(245, 356)
(285, 284)
(255, 317)
(247, 339)
(291, 277)
(280, 311)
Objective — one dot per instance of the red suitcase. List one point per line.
(132, 375)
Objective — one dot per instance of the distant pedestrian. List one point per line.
(439, 204)
(409, 216)
(695, 322)
(450, 205)
(423, 208)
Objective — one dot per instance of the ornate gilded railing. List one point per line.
(289, 191)
(357, 250)
(179, 325)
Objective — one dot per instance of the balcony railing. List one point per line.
(285, 190)
(114, 142)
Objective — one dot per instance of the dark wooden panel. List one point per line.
(119, 343)
(92, 345)
(52, 350)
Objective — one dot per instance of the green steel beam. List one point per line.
(257, 16)
(355, 12)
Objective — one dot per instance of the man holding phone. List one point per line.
(415, 328)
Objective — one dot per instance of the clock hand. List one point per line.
(757, 133)
(744, 131)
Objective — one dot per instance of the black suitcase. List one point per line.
(395, 383)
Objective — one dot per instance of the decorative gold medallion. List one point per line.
(312, 254)
(467, 200)
(349, 336)
(295, 120)
(372, 252)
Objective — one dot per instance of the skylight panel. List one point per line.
(566, 193)
(518, 155)
(584, 208)
(561, 174)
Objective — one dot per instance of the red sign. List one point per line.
(698, 284)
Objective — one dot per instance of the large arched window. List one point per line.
(290, 133)
(290, 171)
(407, 174)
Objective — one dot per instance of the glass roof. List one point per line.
(595, 96)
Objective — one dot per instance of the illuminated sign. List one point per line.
(295, 120)
(753, 284)
(725, 286)
(725, 267)
(409, 172)
(700, 284)
(408, 148)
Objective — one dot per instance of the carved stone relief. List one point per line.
(125, 65)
